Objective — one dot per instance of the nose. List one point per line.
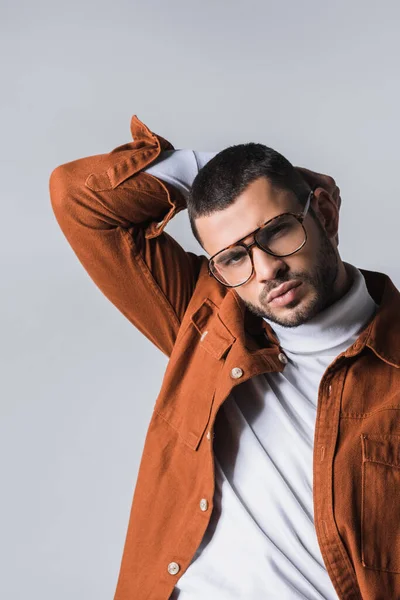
(266, 266)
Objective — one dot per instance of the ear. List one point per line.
(327, 212)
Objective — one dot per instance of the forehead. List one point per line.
(258, 203)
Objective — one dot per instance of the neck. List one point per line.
(343, 282)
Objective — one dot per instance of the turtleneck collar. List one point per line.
(331, 330)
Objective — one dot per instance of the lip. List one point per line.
(282, 289)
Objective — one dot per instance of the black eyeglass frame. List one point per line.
(299, 216)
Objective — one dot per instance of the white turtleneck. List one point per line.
(261, 541)
(179, 167)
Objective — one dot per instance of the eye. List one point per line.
(233, 260)
(277, 230)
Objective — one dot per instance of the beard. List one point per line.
(321, 279)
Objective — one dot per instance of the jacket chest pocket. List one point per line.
(380, 502)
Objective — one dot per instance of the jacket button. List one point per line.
(208, 435)
(173, 568)
(283, 358)
(203, 504)
(236, 372)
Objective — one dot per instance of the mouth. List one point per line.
(284, 294)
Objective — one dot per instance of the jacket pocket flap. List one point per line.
(383, 449)
(215, 337)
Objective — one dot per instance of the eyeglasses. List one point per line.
(282, 235)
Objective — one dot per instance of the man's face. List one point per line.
(314, 267)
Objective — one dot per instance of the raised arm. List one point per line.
(113, 209)
(113, 215)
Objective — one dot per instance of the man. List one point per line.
(271, 463)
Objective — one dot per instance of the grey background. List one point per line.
(317, 82)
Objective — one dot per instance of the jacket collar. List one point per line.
(233, 320)
(382, 335)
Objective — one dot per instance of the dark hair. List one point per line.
(228, 173)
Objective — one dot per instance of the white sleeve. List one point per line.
(179, 167)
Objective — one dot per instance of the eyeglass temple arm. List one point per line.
(310, 195)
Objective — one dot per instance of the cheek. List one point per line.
(306, 256)
(250, 292)
(246, 292)
(313, 238)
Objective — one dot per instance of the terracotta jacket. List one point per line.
(113, 215)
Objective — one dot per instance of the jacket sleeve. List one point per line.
(112, 214)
